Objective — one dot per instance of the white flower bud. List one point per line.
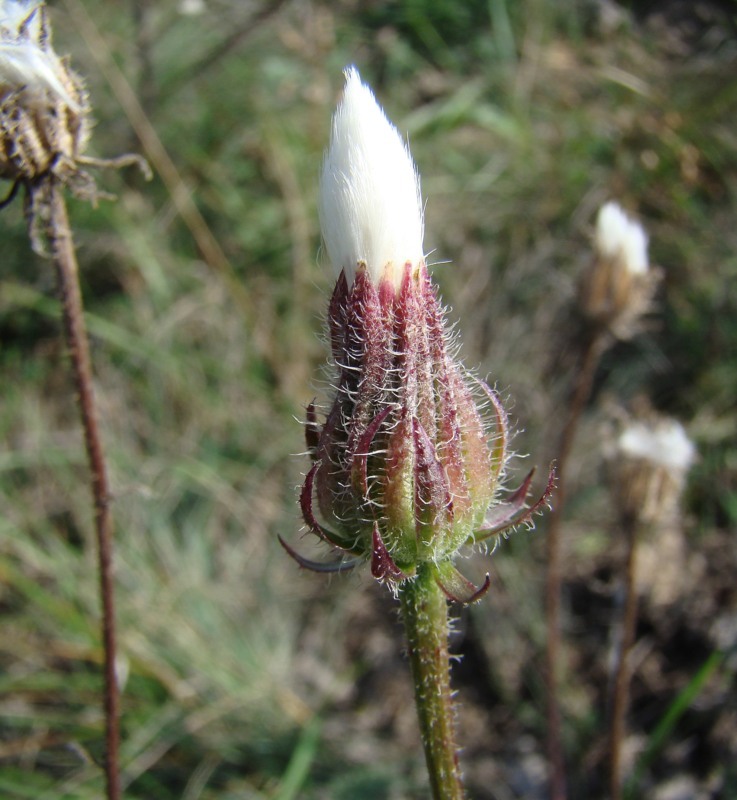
(370, 202)
(621, 239)
(654, 458)
(664, 444)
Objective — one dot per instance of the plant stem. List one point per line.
(425, 616)
(620, 699)
(584, 377)
(65, 261)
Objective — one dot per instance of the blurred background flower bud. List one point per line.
(44, 124)
(653, 457)
(617, 288)
(413, 449)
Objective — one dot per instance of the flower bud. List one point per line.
(408, 462)
(370, 201)
(617, 289)
(654, 457)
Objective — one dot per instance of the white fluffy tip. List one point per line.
(664, 443)
(619, 237)
(370, 202)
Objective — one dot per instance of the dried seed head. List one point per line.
(618, 287)
(44, 123)
(44, 118)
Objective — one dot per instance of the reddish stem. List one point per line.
(620, 699)
(65, 261)
(580, 394)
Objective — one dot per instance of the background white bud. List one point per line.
(622, 239)
(654, 458)
(664, 443)
(370, 202)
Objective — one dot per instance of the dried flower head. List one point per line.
(654, 457)
(408, 464)
(44, 124)
(44, 116)
(618, 287)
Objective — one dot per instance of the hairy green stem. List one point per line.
(425, 617)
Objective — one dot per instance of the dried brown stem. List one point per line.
(620, 698)
(65, 261)
(580, 393)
